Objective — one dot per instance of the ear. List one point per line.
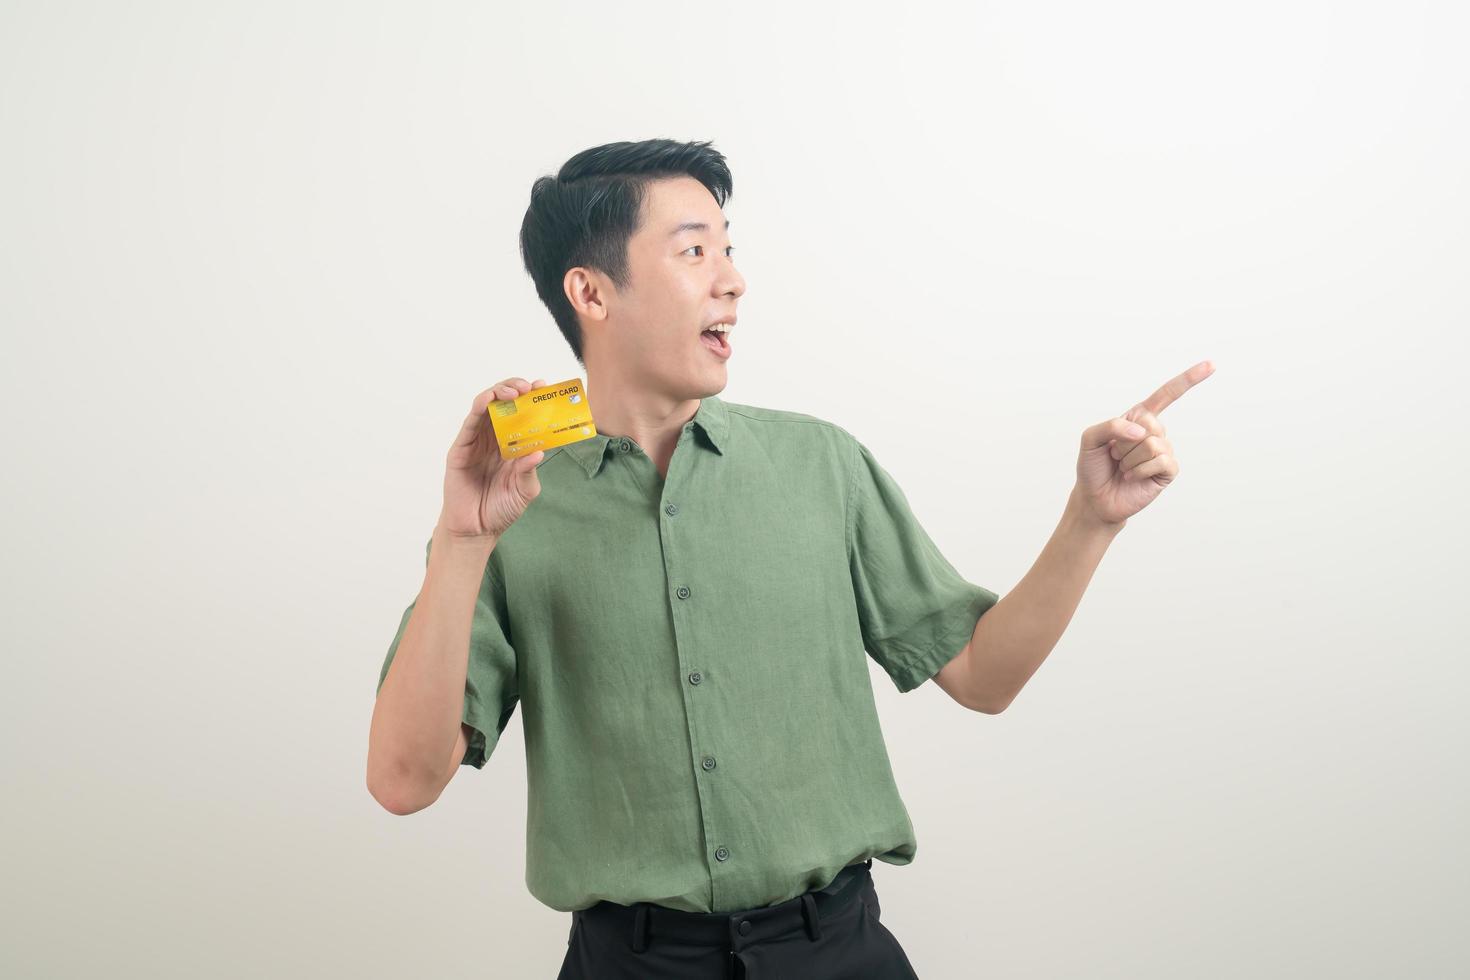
(584, 290)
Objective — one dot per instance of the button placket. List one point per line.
(686, 633)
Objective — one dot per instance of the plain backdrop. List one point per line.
(258, 258)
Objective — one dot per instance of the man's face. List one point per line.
(682, 280)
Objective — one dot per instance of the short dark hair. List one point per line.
(585, 214)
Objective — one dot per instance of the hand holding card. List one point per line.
(484, 491)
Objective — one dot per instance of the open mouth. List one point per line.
(717, 341)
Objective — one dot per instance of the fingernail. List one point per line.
(1135, 430)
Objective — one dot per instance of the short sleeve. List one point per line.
(915, 610)
(491, 691)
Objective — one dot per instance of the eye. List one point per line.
(728, 248)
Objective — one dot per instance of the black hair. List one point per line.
(585, 214)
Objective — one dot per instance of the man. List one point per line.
(682, 602)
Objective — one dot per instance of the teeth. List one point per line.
(721, 327)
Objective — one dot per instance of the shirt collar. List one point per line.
(712, 419)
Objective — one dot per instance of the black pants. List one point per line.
(826, 934)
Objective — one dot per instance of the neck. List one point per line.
(651, 419)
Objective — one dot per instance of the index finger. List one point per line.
(469, 431)
(479, 417)
(1170, 390)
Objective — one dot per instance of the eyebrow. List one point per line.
(694, 226)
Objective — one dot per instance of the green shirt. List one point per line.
(688, 652)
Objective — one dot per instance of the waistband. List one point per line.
(644, 921)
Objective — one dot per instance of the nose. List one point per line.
(730, 282)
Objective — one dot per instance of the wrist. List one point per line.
(1082, 517)
(469, 543)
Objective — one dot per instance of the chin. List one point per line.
(702, 382)
(689, 385)
(718, 386)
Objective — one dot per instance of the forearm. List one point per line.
(417, 716)
(1014, 636)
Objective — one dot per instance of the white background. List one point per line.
(258, 258)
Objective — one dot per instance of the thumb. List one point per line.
(526, 465)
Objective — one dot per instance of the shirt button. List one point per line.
(745, 927)
(721, 854)
(709, 762)
(624, 445)
(696, 677)
(671, 509)
(683, 592)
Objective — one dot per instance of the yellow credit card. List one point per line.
(542, 418)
